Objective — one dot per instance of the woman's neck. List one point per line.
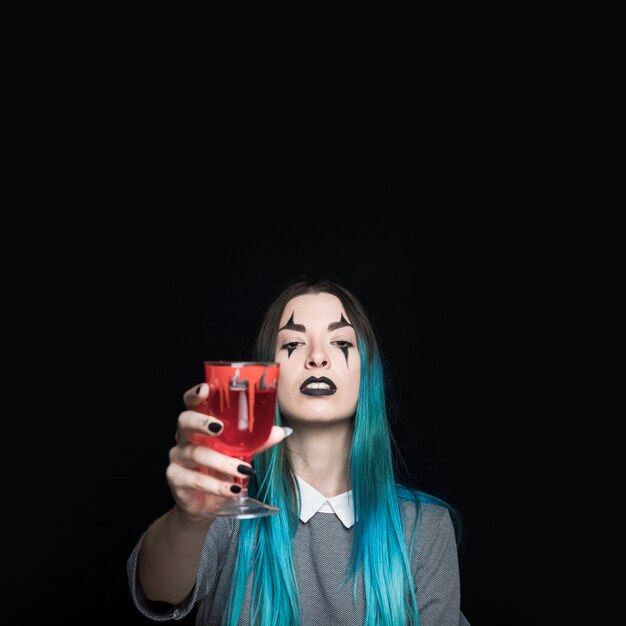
(319, 455)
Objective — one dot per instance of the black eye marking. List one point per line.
(343, 346)
(344, 349)
(290, 347)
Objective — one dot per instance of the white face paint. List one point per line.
(317, 341)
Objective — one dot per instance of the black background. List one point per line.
(135, 302)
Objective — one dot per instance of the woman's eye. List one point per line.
(343, 344)
(292, 345)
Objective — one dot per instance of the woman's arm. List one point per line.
(170, 556)
(199, 477)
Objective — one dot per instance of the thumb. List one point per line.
(276, 436)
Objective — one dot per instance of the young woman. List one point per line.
(350, 545)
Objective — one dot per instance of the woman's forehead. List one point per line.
(320, 308)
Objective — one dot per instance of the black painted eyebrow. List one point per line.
(291, 325)
(340, 324)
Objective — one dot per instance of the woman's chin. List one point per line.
(318, 418)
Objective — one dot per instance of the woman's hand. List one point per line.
(198, 476)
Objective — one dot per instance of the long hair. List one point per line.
(379, 553)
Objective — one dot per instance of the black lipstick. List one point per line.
(318, 392)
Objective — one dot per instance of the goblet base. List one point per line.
(243, 507)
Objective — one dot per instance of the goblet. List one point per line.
(242, 394)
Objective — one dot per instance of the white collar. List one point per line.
(312, 502)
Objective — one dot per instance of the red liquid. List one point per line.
(243, 397)
(245, 430)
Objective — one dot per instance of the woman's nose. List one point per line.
(317, 358)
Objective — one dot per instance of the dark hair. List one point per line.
(266, 340)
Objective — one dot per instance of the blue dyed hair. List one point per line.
(379, 553)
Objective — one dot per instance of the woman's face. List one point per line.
(320, 366)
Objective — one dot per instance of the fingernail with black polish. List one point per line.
(235, 488)
(214, 427)
(198, 389)
(245, 469)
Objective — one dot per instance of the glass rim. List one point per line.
(243, 363)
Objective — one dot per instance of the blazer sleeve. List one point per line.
(437, 582)
(211, 561)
